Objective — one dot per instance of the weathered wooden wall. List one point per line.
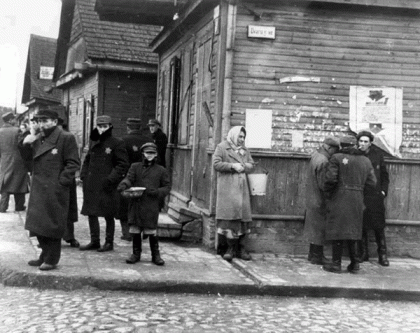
(342, 45)
(128, 95)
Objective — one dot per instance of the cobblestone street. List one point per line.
(32, 311)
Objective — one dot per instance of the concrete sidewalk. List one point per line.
(191, 268)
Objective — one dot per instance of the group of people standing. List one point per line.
(347, 185)
(51, 156)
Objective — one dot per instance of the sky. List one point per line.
(18, 20)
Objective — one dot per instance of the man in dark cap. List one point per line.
(348, 174)
(14, 178)
(55, 157)
(144, 211)
(160, 139)
(133, 142)
(316, 213)
(374, 214)
(104, 167)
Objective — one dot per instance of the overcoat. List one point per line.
(233, 199)
(133, 142)
(105, 165)
(55, 162)
(161, 141)
(13, 170)
(144, 211)
(348, 174)
(316, 211)
(374, 214)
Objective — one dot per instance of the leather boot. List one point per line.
(221, 244)
(109, 235)
(318, 257)
(354, 255)
(364, 246)
(135, 256)
(125, 231)
(241, 251)
(382, 252)
(94, 235)
(228, 256)
(154, 247)
(311, 251)
(337, 252)
(36, 263)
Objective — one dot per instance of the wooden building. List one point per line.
(104, 68)
(294, 63)
(39, 71)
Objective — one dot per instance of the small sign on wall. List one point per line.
(46, 73)
(258, 125)
(255, 31)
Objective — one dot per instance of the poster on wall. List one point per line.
(378, 109)
(258, 124)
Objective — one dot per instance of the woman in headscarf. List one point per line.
(233, 161)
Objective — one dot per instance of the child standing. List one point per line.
(143, 212)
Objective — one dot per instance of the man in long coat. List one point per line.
(105, 165)
(160, 139)
(348, 174)
(316, 213)
(14, 178)
(133, 141)
(374, 214)
(55, 161)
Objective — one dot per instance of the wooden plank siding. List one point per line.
(126, 95)
(287, 177)
(196, 51)
(343, 45)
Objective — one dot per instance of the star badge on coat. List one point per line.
(135, 148)
(345, 161)
(108, 150)
(54, 151)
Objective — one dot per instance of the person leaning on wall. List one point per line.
(374, 214)
(233, 161)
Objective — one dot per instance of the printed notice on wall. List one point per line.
(379, 110)
(258, 124)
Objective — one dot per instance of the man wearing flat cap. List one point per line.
(14, 177)
(144, 211)
(348, 174)
(374, 214)
(55, 159)
(133, 142)
(104, 167)
(316, 213)
(160, 139)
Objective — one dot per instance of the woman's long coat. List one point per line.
(13, 170)
(374, 214)
(144, 211)
(55, 162)
(105, 165)
(348, 174)
(233, 199)
(316, 210)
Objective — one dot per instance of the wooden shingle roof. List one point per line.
(41, 52)
(115, 41)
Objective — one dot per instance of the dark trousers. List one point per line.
(69, 234)
(51, 249)
(94, 229)
(19, 201)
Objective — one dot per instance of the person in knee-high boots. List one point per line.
(348, 174)
(233, 161)
(374, 214)
(143, 213)
(104, 167)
